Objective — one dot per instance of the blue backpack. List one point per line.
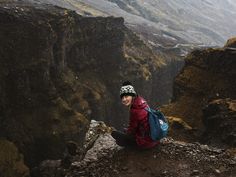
(158, 124)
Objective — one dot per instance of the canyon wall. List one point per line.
(59, 70)
(204, 94)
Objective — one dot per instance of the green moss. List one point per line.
(11, 161)
(178, 122)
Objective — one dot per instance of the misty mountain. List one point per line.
(166, 24)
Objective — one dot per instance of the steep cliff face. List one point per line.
(36, 83)
(152, 29)
(58, 70)
(208, 75)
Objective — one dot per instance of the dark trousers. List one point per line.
(123, 139)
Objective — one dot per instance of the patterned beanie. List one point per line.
(127, 89)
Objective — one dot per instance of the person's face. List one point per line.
(126, 100)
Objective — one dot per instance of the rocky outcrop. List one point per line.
(207, 75)
(231, 43)
(179, 129)
(58, 70)
(219, 118)
(170, 158)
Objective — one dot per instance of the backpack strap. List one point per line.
(144, 131)
(162, 117)
(148, 109)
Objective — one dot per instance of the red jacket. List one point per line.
(138, 123)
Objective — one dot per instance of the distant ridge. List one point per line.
(166, 23)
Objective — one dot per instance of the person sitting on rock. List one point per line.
(138, 131)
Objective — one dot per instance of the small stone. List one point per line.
(116, 171)
(125, 168)
(222, 169)
(195, 172)
(217, 171)
(232, 163)
(164, 172)
(204, 147)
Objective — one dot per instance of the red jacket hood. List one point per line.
(139, 103)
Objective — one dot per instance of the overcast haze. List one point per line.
(199, 22)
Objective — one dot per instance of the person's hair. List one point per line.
(126, 83)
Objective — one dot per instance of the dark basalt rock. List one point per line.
(220, 122)
(207, 75)
(36, 83)
(58, 70)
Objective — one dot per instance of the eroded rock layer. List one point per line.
(58, 70)
(207, 76)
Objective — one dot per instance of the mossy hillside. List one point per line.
(36, 112)
(208, 74)
(11, 161)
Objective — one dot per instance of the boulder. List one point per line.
(179, 129)
(219, 118)
(231, 43)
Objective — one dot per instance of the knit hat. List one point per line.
(127, 89)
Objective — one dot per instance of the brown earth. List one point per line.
(169, 159)
(219, 118)
(207, 75)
